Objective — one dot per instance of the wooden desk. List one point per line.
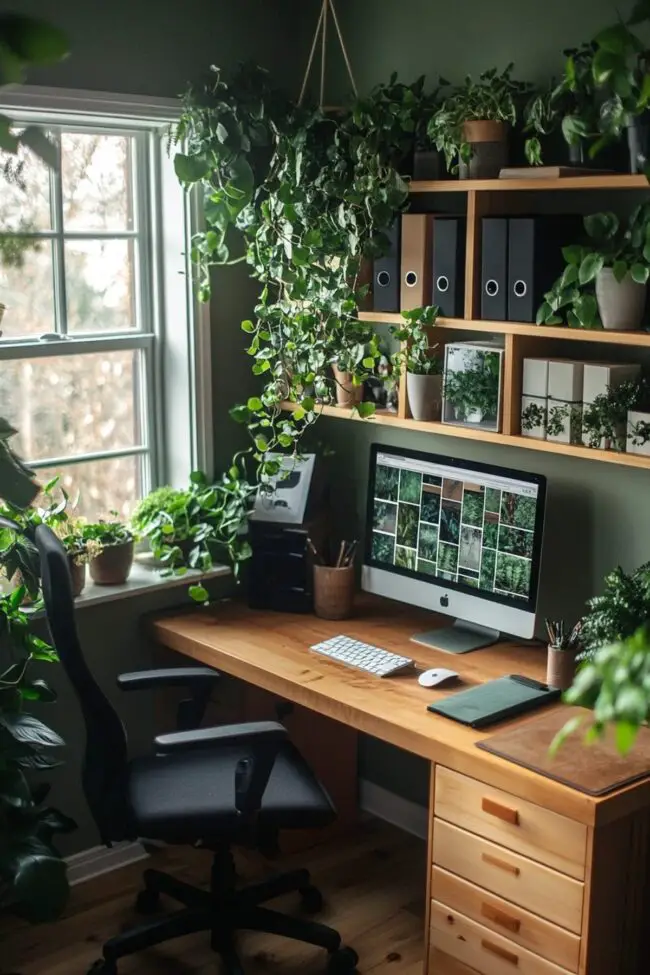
(527, 874)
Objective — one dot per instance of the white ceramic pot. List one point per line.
(620, 303)
(425, 396)
(474, 416)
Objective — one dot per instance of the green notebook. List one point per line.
(495, 701)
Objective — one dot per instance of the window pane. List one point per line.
(102, 485)
(25, 203)
(100, 285)
(96, 182)
(28, 293)
(70, 405)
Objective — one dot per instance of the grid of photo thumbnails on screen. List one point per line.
(455, 528)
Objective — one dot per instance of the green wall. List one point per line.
(596, 513)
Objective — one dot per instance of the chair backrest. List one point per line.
(104, 773)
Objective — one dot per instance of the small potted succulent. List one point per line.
(417, 359)
(605, 281)
(471, 125)
(110, 545)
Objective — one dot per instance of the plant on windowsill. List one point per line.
(471, 124)
(417, 360)
(58, 514)
(474, 393)
(189, 528)
(571, 105)
(111, 559)
(604, 422)
(616, 266)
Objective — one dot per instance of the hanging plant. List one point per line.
(304, 196)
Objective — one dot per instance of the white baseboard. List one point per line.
(407, 815)
(101, 859)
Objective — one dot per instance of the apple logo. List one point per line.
(444, 601)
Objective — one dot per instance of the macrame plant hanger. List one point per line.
(321, 32)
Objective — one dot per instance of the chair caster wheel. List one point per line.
(311, 899)
(103, 967)
(344, 961)
(147, 901)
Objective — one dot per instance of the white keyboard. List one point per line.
(363, 656)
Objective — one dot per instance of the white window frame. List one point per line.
(180, 416)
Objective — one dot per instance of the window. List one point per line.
(89, 372)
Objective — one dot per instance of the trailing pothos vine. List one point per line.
(303, 197)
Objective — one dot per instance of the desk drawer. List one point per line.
(509, 920)
(544, 892)
(519, 825)
(480, 949)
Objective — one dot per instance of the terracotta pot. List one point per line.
(78, 576)
(489, 142)
(560, 668)
(620, 303)
(112, 566)
(347, 394)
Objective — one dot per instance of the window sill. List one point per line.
(145, 578)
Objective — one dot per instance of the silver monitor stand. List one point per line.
(460, 637)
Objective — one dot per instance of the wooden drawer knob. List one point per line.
(508, 956)
(501, 864)
(493, 808)
(504, 920)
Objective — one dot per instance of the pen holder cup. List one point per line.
(560, 668)
(333, 591)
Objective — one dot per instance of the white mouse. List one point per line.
(437, 677)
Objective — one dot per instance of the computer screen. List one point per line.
(464, 527)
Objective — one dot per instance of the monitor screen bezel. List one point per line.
(539, 480)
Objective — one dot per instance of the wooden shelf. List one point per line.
(613, 181)
(385, 418)
(639, 339)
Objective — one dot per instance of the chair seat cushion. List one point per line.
(190, 796)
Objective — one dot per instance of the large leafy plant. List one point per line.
(622, 608)
(623, 247)
(493, 97)
(308, 195)
(188, 528)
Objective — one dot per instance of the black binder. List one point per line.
(386, 274)
(535, 260)
(449, 266)
(494, 269)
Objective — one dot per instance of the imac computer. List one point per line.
(458, 538)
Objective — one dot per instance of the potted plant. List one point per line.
(570, 105)
(348, 387)
(188, 528)
(471, 124)
(622, 608)
(604, 422)
(68, 529)
(418, 361)
(615, 265)
(110, 545)
(473, 392)
(620, 70)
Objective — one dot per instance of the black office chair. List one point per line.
(232, 785)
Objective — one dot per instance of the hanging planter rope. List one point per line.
(321, 33)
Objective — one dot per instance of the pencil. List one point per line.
(341, 551)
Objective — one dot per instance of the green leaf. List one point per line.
(240, 414)
(639, 273)
(199, 594)
(591, 265)
(247, 326)
(37, 690)
(565, 732)
(573, 254)
(32, 40)
(299, 413)
(625, 734)
(27, 728)
(365, 410)
(620, 270)
(190, 169)
(255, 404)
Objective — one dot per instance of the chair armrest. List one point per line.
(259, 741)
(249, 734)
(140, 680)
(200, 682)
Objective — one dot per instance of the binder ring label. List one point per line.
(520, 288)
(492, 287)
(442, 284)
(410, 279)
(383, 279)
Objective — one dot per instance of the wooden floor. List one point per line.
(373, 882)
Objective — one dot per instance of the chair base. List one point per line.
(223, 911)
